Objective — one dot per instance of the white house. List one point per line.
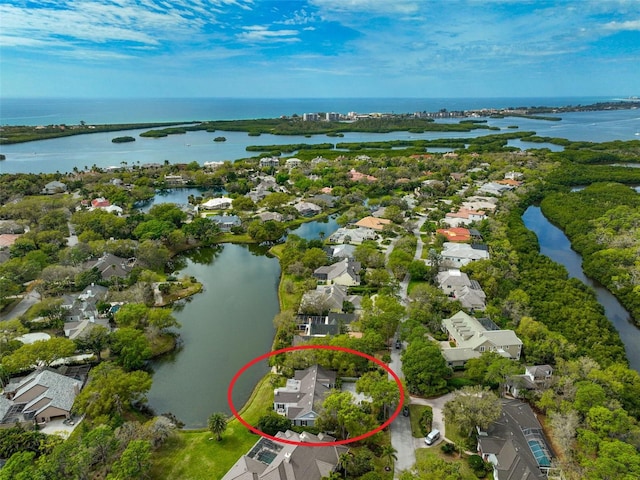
(270, 162)
(460, 254)
(220, 203)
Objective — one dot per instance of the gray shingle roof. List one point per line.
(60, 389)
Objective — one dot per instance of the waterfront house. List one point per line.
(110, 265)
(307, 209)
(303, 394)
(267, 216)
(345, 272)
(272, 460)
(220, 203)
(174, 180)
(225, 222)
(327, 298)
(340, 251)
(324, 199)
(310, 326)
(373, 223)
(353, 236)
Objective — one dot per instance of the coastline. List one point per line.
(22, 133)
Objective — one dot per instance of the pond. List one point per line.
(555, 245)
(223, 328)
(314, 230)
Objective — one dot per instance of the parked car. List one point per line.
(432, 437)
(398, 344)
(405, 410)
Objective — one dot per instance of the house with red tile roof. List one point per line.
(373, 223)
(356, 176)
(100, 202)
(455, 234)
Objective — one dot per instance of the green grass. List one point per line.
(415, 412)
(465, 471)
(191, 455)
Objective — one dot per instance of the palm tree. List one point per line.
(345, 460)
(389, 453)
(217, 423)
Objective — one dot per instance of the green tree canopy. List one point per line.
(110, 391)
(425, 368)
(471, 407)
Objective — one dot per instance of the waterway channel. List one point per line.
(555, 245)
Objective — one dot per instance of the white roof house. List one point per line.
(459, 254)
(218, 203)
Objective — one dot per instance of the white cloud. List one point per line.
(260, 33)
(301, 17)
(369, 6)
(619, 26)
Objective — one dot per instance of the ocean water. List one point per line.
(53, 111)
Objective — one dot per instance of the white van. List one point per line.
(432, 437)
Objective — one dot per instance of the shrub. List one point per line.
(426, 420)
(448, 448)
(479, 466)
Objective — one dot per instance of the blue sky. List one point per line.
(319, 48)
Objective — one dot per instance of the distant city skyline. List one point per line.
(319, 48)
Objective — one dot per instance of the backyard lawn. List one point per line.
(429, 455)
(194, 455)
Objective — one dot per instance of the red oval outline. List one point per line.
(311, 347)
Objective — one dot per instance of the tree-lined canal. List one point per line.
(555, 245)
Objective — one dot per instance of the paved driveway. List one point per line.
(437, 405)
